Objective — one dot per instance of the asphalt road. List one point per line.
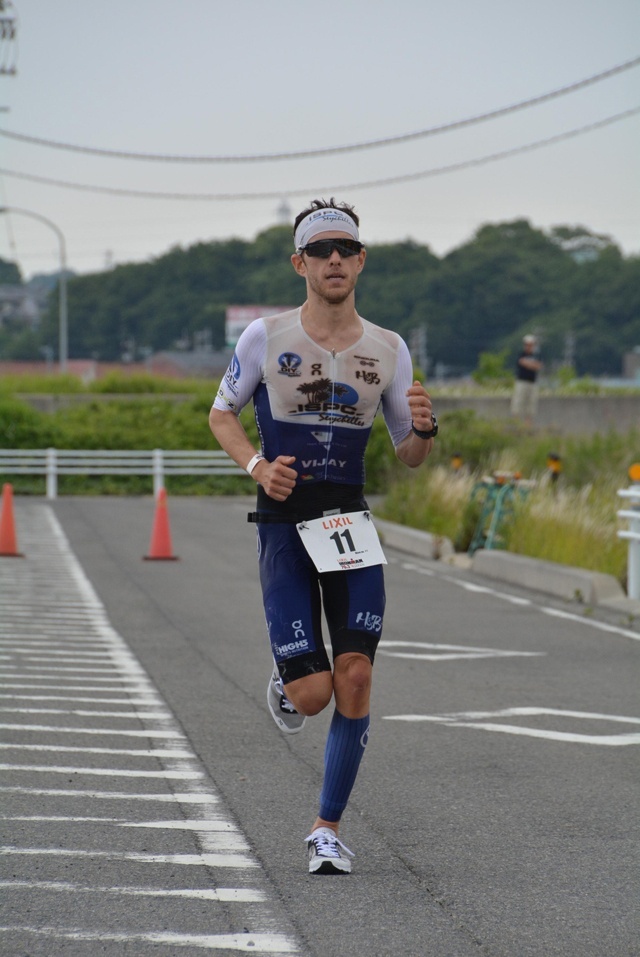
(150, 805)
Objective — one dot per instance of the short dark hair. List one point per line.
(324, 204)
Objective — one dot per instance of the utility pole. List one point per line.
(8, 34)
(63, 332)
(569, 349)
(418, 347)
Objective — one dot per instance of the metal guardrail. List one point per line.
(156, 463)
(632, 534)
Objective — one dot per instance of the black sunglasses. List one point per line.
(324, 247)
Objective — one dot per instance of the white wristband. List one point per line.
(251, 464)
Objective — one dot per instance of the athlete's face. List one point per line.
(331, 279)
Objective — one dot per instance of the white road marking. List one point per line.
(220, 825)
(440, 652)
(104, 772)
(44, 671)
(171, 798)
(252, 943)
(230, 894)
(475, 720)
(156, 715)
(126, 732)
(56, 655)
(517, 600)
(187, 860)
(143, 702)
(71, 662)
(132, 752)
(134, 684)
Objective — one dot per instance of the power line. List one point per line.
(370, 184)
(329, 150)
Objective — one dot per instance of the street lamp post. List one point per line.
(63, 331)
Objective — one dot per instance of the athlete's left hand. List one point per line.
(420, 407)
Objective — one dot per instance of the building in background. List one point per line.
(237, 319)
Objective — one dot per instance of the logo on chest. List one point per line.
(289, 363)
(328, 401)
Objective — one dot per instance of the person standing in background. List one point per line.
(524, 401)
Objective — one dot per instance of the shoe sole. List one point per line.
(283, 727)
(330, 867)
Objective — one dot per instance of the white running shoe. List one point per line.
(284, 714)
(325, 853)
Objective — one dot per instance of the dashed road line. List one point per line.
(228, 894)
(252, 943)
(518, 600)
(63, 660)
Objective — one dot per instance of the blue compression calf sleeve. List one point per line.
(345, 746)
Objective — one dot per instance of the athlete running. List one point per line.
(317, 376)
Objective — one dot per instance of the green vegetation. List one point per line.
(132, 421)
(571, 520)
(113, 383)
(573, 288)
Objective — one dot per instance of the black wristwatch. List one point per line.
(431, 434)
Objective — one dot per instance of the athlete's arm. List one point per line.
(404, 403)
(238, 385)
(277, 478)
(413, 450)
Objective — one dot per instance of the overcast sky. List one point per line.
(202, 78)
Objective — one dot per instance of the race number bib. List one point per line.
(342, 542)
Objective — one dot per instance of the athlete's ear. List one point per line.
(362, 255)
(299, 264)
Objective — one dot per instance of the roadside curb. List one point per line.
(561, 581)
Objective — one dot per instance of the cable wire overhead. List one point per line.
(329, 150)
(370, 184)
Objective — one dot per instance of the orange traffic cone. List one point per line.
(8, 540)
(160, 547)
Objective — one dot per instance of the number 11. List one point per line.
(347, 537)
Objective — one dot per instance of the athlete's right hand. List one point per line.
(277, 478)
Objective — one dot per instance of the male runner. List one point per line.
(317, 376)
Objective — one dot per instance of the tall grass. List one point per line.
(571, 526)
(434, 501)
(572, 521)
(553, 522)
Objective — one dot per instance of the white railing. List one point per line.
(632, 515)
(157, 463)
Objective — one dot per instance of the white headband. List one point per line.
(321, 221)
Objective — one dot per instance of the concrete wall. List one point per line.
(560, 414)
(563, 415)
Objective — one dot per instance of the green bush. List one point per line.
(116, 382)
(21, 427)
(571, 520)
(40, 384)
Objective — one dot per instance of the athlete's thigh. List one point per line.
(354, 603)
(292, 604)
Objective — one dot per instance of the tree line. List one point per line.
(571, 287)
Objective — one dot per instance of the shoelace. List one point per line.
(326, 844)
(285, 704)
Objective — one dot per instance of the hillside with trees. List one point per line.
(573, 288)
